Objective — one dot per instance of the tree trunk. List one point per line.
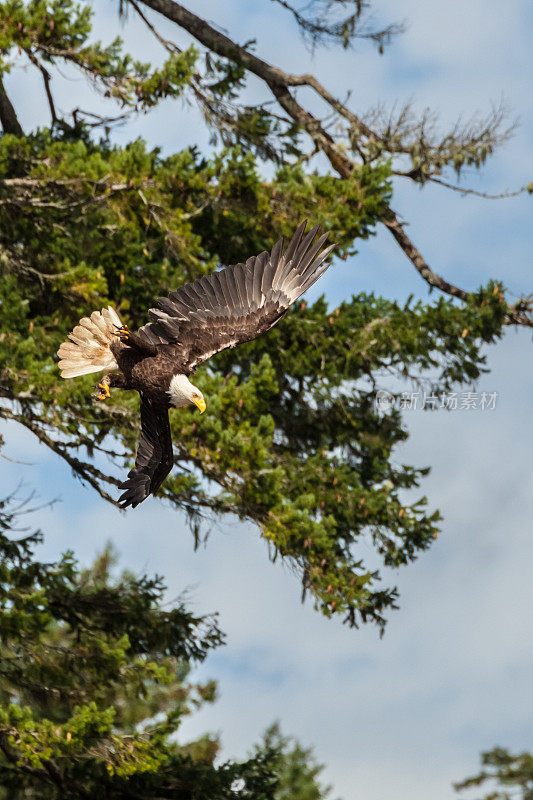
(8, 117)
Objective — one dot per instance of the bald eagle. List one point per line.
(232, 305)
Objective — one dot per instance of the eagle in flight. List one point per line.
(232, 305)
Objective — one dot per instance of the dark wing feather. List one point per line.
(154, 456)
(237, 303)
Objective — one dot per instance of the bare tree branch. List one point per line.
(463, 190)
(280, 83)
(46, 80)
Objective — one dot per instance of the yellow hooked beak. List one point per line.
(200, 404)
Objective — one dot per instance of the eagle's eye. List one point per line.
(198, 399)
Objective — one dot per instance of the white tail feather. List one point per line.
(89, 347)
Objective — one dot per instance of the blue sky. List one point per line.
(405, 716)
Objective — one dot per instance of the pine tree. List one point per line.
(293, 440)
(506, 776)
(95, 681)
(296, 769)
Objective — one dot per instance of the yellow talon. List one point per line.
(104, 388)
(122, 332)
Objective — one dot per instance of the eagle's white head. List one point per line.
(182, 392)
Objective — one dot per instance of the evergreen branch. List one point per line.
(86, 471)
(343, 30)
(14, 262)
(50, 773)
(37, 772)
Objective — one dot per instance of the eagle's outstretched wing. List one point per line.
(154, 456)
(237, 303)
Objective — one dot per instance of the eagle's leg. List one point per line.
(101, 390)
(135, 341)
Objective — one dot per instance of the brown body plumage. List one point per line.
(228, 307)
